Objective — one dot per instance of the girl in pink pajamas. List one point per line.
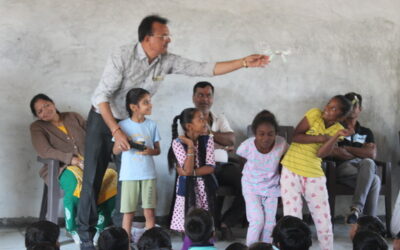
(260, 181)
(302, 175)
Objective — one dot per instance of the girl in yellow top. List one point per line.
(314, 138)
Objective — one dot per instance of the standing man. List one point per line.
(355, 164)
(227, 173)
(144, 65)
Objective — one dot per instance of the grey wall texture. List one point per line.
(60, 48)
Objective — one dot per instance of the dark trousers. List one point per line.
(229, 174)
(98, 150)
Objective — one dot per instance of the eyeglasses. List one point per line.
(164, 37)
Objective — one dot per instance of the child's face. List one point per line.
(332, 111)
(265, 136)
(198, 124)
(143, 107)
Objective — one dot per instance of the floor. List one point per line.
(13, 238)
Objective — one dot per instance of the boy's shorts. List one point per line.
(132, 190)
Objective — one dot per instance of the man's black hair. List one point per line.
(146, 26)
(202, 85)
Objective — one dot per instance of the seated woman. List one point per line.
(61, 136)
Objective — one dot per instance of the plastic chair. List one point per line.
(51, 191)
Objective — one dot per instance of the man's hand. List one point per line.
(341, 154)
(121, 140)
(256, 60)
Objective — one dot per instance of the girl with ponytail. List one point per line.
(192, 155)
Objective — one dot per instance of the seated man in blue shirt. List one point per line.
(355, 164)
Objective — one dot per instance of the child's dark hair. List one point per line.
(345, 106)
(263, 117)
(42, 232)
(185, 117)
(133, 97)
(155, 238)
(43, 246)
(291, 233)
(113, 238)
(199, 226)
(37, 98)
(367, 240)
(237, 246)
(261, 246)
(371, 223)
(354, 98)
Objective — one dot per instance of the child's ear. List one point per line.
(188, 126)
(133, 107)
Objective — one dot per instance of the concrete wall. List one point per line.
(60, 48)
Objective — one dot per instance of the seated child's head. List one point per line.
(237, 246)
(138, 100)
(43, 246)
(367, 240)
(113, 238)
(42, 232)
(199, 226)
(260, 246)
(337, 109)
(368, 223)
(291, 233)
(264, 127)
(155, 238)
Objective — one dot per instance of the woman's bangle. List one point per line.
(194, 172)
(115, 130)
(189, 154)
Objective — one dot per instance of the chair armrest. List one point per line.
(53, 192)
(386, 171)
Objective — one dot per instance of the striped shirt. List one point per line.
(302, 158)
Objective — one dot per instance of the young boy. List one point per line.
(199, 227)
